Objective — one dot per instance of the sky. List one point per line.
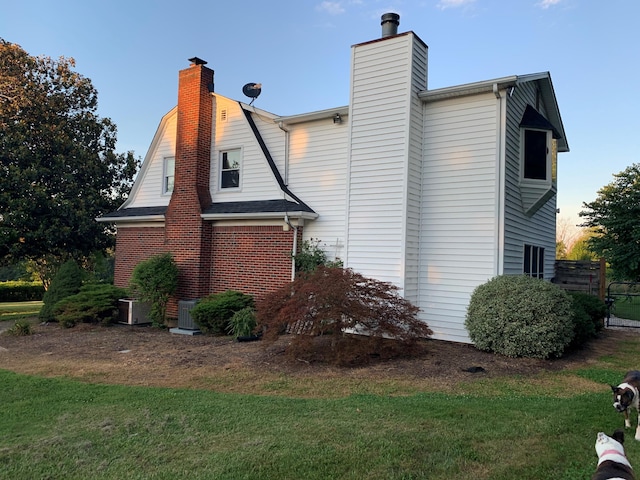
(299, 50)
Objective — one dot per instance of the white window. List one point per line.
(168, 175)
(230, 169)
(533, 261)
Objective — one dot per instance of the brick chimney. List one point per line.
(187, 237)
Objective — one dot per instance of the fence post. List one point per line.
(603, 278)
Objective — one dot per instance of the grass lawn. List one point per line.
(509, 428)
(12, 311)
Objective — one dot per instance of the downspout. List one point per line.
(500, 179)
(294, 248)
(286, 152)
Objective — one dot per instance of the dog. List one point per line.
(612, 462)
(625, 397)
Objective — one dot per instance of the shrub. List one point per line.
(21, 291)
(67, 281)
(213, 313)
(519, 316)
(311, 256)
(154, 281)
(588, 317)
(20, 328)
(358, 315)
(94, 303)
(242, 323)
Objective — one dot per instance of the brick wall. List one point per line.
(186, 235)
(252, 260)
(134, 245)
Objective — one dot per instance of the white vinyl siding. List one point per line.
(318, 175)
(459, 221)
(377, 190)
(257, 180)
(149, 185)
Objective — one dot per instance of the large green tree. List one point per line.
(614, 217)
(58, 167)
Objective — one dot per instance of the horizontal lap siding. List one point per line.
(539, 229)
(380, 118)
(257, 181)
(459, 210)
(318, 175)
(149, 191)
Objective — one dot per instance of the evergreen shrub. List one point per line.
(66, 282)
(214, 312)
(520, 316)
(154, 281)
(95, 303)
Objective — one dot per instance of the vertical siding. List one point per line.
(148, 189)
(460, 194)
(379, 120)
(539, 229)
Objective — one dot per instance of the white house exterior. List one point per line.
(436, 191)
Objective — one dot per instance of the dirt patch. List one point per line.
(142, 355)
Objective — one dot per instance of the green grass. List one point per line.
(55, 428)
(627, 306)
(537, 428)
(12, 311)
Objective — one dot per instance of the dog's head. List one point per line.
(623, 396)
(610, 445)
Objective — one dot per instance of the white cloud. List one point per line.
(444, 4)
(548, 3)
(332, 8)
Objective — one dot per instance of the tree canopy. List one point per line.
(58, 167)
(614, 217)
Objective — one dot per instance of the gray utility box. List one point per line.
(133, 312)
(184, 315)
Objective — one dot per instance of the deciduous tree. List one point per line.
(58, 167)
(614, 217)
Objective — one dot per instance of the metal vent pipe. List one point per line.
(390, 22)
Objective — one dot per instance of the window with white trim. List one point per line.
(230, 168)
(533, 265)
(168, 176)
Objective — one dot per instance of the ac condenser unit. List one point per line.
(133, 312)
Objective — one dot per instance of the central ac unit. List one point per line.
(133, 312)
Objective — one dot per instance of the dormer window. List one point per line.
(538, 157)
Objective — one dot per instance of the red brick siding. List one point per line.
(252, 260)
(134, 245)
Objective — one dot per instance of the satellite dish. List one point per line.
(252, 90)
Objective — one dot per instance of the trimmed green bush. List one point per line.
(95, 303)
(213, 313)
(20, 291)
(520, 316)
(66, 282)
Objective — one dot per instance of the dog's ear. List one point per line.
(618, 435)
(613, 388)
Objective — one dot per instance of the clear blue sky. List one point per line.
(300, 51)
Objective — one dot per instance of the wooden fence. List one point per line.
(581, 276)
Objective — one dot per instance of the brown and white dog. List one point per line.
(625, 397)
(612, 462)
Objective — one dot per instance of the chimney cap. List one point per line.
(389, 22)
(197, 61)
